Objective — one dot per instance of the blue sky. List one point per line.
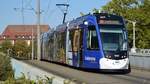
(51, 14)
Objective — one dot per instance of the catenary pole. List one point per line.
(38, 30)
(32, 45)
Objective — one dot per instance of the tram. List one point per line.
(94, 41)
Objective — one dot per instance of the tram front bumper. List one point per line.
(113, 64)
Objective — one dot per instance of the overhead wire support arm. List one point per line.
(63, 10)
(62, 5)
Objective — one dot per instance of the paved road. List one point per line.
(135, 77)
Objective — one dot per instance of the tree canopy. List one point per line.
(21, 49)
(5, 46)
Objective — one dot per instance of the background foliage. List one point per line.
(19, 50)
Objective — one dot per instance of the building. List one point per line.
(21, 32)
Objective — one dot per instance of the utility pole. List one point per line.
(32, 45)
(21, 10)
(38, 31)
(64, 10)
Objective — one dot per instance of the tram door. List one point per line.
(91, 51)
(77, 47)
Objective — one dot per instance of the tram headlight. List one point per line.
(109, 57)
(106, 56)
(124, 56)
(86, 23)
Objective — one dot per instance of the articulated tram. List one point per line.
(94, 41)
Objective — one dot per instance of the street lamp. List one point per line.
(133, 49)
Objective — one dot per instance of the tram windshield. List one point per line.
(113, 39)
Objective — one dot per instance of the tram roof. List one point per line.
(80, 20)
(72, 23)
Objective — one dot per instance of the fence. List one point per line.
(143, 51)
(140, 60)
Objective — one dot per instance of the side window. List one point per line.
(92, 38)
(71, 33)
(75, 40)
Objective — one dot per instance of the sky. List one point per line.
(10, 11)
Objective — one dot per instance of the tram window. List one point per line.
(71, 33)
(76, 40)
(63, 40)
(92, 38)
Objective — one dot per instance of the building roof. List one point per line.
(17, 31)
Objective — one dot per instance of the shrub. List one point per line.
(6, 70)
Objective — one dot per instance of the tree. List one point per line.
(21, 49)
(5, 46)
